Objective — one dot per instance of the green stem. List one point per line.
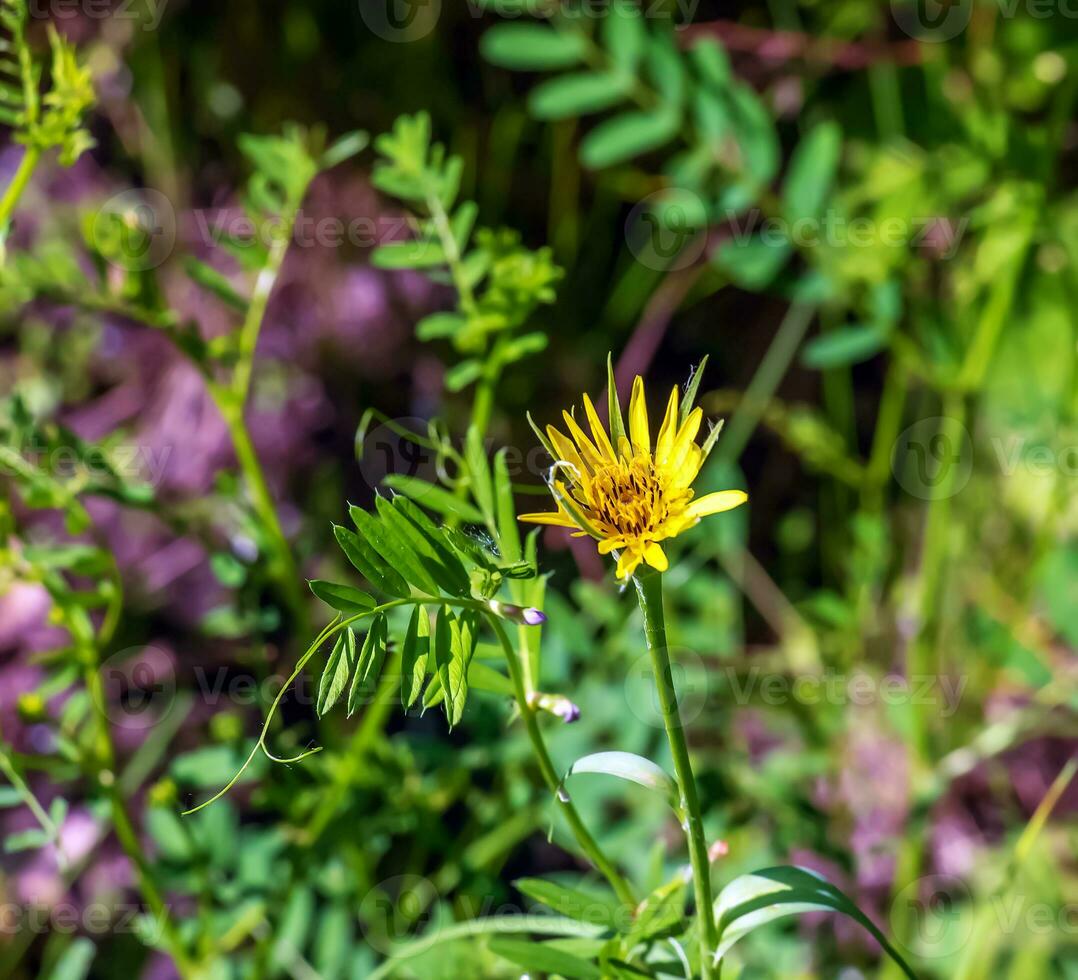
(649, 588)
(583, 836)
(18, 184)
(282, 565)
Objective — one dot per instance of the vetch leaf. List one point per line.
(531, 47)
(369, 666)
(414, 656)
(434, 497)
(419, 253)
(394, 550)
(428, 543)
(628, 135)
(570, 96)
(544, 959)
(369, 564)
(342, 597)
(844, 345)
(508, 531)
(599, 908)
(755, 899)
(812, 172)
(338, 669)
(634, 768)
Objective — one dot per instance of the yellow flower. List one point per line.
(623, 490)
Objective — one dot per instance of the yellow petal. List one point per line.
(638, 418)
(627, 562)
(598, 433)
(682, 475)
(667, 432)
(686, 437)
(587, 447)
(555, 518)
(567, 452)
(656, 557)
(716, 503)
(608, 545)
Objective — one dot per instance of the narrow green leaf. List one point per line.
(26, 840)
(369, 666)
(613, 405)
(75, 962)
(434, 497)
(508, 530)
(439, 325)
(369, 564)
(543, 958)
(394, 550)
(691, 390)
(628, 135)
(634, 768)
(342, 597)
(454, 643)
(844, 345)
(772, 893)
(532, 47)
(811, 175)
(428, 543)
(418, 253)
(624, 36)
(578, 94)
(600, 908)
(475, 455)
(414, 656)
(339, 667)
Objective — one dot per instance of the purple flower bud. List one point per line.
(526, 617)
(557, 705)
(533, 616)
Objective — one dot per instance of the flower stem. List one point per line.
(587, 843)
(649, 588)
(18, 184)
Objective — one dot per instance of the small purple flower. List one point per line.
(526, 617)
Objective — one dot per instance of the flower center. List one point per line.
(630, 498)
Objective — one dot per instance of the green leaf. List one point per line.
(543, 958)
(214, 282)
(393, 549)
(755, 899)
(585, 906)
(844, 345)
(414, 656)
(532, 47)
(813, 166)
(508, 531)
(634, 768)
(691, 390)
(369, 564)
(628, 135)
(454, 643)
(342, 597)
(439, 325)
(369, 665)
(75, 962)
(462, 374)
(344, 148)
(613, 405)
(434, 497)
(428, 542)
(26, 840)
(667, 70)
(624, 36)
(339, 667)
(475, 455)
(420, 253)
(570, 96)
(752, 264)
